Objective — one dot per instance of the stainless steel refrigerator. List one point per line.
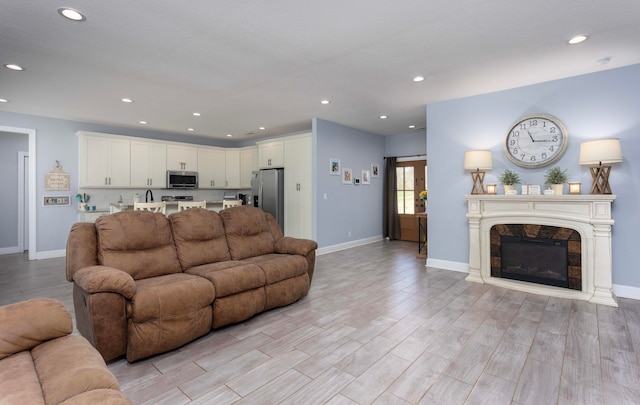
(267, 187)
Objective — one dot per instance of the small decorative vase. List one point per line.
(557, 189)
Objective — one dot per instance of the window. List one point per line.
(405, 180)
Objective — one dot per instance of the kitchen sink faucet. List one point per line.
(146, 196)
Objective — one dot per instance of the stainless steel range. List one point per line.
(168, 198)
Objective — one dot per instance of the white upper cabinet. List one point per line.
(211, 168)
(148, 164)
(248, 164)
(104, 161)
(232, 168)
(182, 157)
(270, 154)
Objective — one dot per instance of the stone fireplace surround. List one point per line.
(589, 215)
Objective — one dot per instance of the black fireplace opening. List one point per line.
(536, 260)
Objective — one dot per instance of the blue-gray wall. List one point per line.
(348, 208)
(409, 144)
(598, 105)
(10, 145)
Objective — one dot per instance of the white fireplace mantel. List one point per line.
(589, 215)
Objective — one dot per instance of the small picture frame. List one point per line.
(356, 181)
(366, 177)
(347, 176)
(334, 167)
(375, 170)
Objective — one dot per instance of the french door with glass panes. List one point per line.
(410, 181)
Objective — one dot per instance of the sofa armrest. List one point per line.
(95, 279)
(295, 246)
(27, 324)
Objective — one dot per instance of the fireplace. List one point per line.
(553, 245)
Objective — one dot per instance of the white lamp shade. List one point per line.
(478, 160)
(600, 151)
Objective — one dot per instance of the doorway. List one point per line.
(29, 195)
(410, 181)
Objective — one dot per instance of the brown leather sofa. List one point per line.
(145, 283)
(41, 362)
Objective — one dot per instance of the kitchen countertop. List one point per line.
(125, 206)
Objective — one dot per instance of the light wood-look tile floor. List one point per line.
(379, 328)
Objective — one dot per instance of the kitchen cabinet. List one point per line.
(298, 190)
(182, 157)
(148, 164)
(248, 164)
(270, 154)
(211, 168)
(232, 168)
(104, 161)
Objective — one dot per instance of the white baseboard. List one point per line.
(347, 245)
(9, 250)
(626, 291)
(448, 265)
(50, 254)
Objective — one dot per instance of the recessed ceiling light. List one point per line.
(12, 66)
(143, 122)
(262, 128)
(412, 126)
(71, 14)
(3, 100)
(190, 129)
(325, 102)
(196, 114)
(418, 78)
(127, 100)
(577, 39)
(384, 117)
(229, 135)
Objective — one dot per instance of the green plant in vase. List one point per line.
(556, 177)
(509, 179)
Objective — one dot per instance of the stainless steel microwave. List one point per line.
(180, 179)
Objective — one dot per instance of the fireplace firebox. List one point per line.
(536, 260)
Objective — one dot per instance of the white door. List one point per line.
(25, 246)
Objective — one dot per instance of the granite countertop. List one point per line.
(125, 206)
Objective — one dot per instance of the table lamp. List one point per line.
(596, 153)
(477, 161)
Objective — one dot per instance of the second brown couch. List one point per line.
(145, 284)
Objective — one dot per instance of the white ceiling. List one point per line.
(245, 64)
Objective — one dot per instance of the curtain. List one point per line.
(391, 224)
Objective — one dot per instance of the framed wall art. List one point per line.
(375, 170)
(347, 176)
(366, 177)
(334, 167)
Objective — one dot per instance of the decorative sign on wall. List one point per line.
(57, 179)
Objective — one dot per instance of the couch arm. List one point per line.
(295, 246)
(27, 324)
(94, 279)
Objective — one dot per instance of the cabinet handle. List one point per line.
(109, 180)
(106, 183)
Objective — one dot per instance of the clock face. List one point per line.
(536, 141)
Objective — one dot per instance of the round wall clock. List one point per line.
(536, 140)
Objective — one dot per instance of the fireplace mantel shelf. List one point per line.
(590, 215)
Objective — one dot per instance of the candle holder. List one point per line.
(575, 187)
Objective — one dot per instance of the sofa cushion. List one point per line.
(199, 237)
(231, 277)
(69, 366)
(279, 267)
(137, 242)
(170, 295)
(29, 323)
(19, 382)
(248, 232)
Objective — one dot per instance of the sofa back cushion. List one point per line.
(137, 242)
(248, 232)
(199, 237)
